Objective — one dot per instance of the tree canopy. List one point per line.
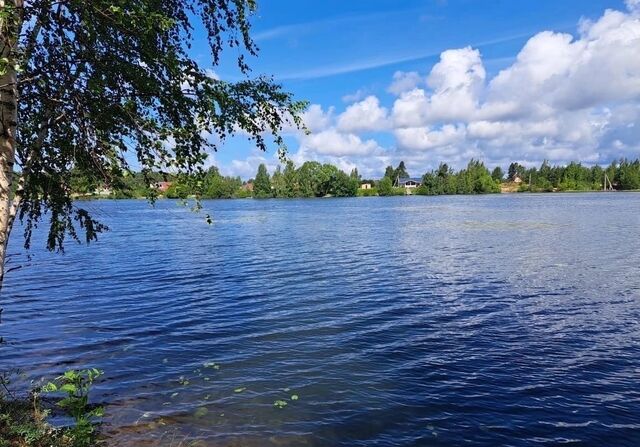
(474, 179)
(262, 183)
(312, 179)
(105, 86)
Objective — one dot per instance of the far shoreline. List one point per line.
(90, 198)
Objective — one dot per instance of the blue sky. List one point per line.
(339, 53)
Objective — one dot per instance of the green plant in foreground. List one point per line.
(22, 422)
(77, 385)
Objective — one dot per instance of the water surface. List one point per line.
(404, 321)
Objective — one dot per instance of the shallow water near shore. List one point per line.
(401, 321)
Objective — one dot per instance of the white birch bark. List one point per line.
(9, 32)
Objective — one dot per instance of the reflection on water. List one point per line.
(502, 320)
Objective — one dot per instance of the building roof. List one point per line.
(405, 180)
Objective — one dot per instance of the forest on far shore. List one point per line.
(313, 179)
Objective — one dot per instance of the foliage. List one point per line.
(280, 403)
(178, 190)
(394, 174)
(367, 192)
(107, 84)
(76, 385)
(627, 174)
(23, 422)
(385, 186)
(262, 183)
(515, 170)
(401, 171)
(474, 179)
(312, 179)
(623, 175)
(497, 174)
(390, 173)
(217, 186)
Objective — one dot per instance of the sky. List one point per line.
(430, 81)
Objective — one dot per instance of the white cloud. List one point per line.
(411, 109)
(358, 95)
(248, 167)
(333, 142)
(564, 98)
(423, 138)
(363, 116)
(558, 100)
(404, 81)
(316, 119)
(633, 6)
(456, 82)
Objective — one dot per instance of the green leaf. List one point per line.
(280, 404)
(97, 412)
(68, 388)
(294, 397)
(239, 390)
(50, 388)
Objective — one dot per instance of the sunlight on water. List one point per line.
(359, 322)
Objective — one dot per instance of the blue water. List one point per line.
(408, 321)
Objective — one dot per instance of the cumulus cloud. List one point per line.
(633, 6)
(333, 142)
(363, 116)
(456, 82)
(317, 119)
(248, 167)
(559, 99)
(564, 98)
(404, 81)
(424, 138)
(358, 95)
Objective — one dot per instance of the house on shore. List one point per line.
(248, 186)
(103, 191)
(366, 186)
(409, 184)
(163, 186)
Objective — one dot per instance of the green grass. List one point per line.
(23, 423)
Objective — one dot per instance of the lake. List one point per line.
(402, 321)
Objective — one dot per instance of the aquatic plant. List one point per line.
(76, 385)
(280, 403)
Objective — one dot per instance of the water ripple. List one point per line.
(507, 320)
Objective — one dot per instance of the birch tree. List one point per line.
(90, 85)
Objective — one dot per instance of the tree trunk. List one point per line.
(9, 30)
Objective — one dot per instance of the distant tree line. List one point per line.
(313, 179)
(621, 175)
(474, 179)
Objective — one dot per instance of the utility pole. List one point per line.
(607, 186)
